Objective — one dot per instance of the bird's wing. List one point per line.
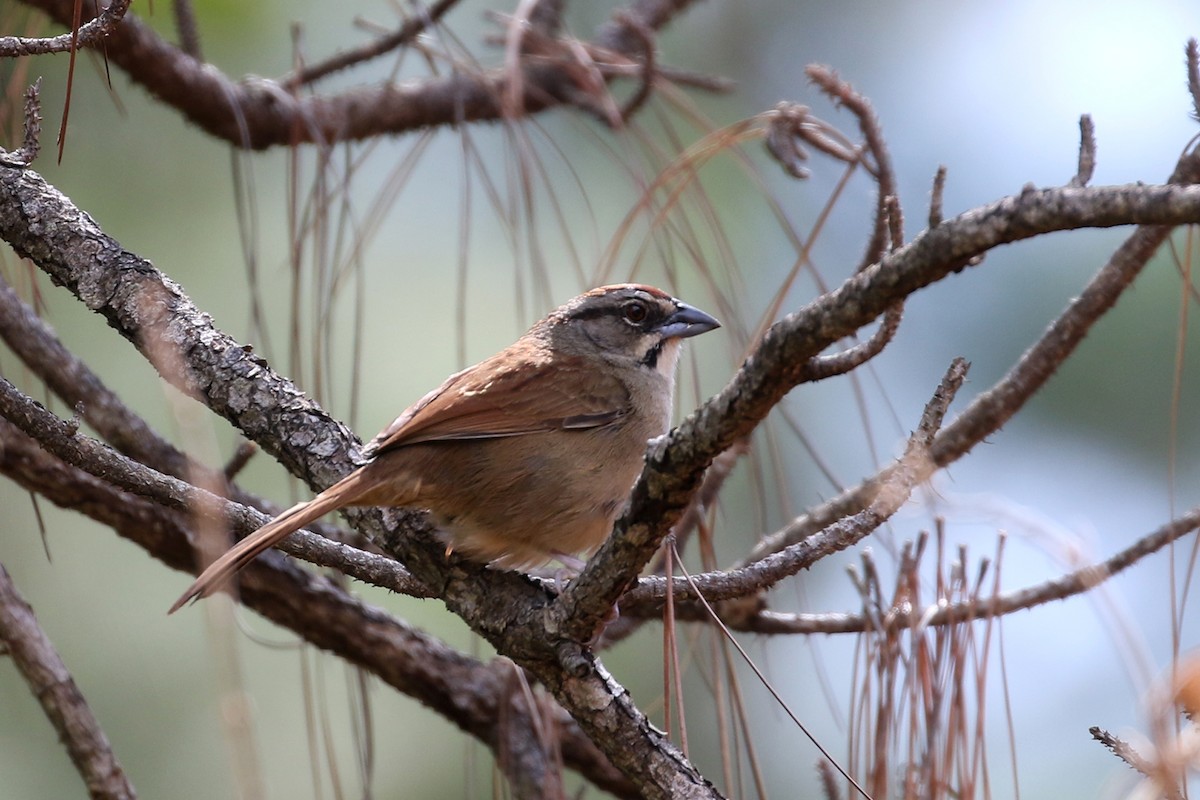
(509, 396)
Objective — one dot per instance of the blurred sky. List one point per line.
(993, 92)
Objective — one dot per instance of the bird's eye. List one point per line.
(636, 312)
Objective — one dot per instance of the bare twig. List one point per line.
(51, 684)
(1087, 152)
(936, 195)
(1122, 750)
(27, 153)
(90, 34)
(187, 28)
(824, 367)
(241, 457)
(1193, 75)
(1073, 583)
(423, 20)
(791, 124)
(879, 164)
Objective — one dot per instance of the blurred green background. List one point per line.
(994, 92)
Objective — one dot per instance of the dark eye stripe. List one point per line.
(647, 323)
(590, 312)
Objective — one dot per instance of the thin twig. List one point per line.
(1087, 152)
(187, 28)
(414, 26)
(1122, 750)
(880, 163)
(51, 684)
(90, 34)
(936, 196)
(1192, 58)
(1073, 583)
(27, 153)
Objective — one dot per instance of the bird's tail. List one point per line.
(341, 494)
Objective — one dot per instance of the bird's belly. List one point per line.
(519, 506)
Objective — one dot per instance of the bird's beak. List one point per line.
(687, 321)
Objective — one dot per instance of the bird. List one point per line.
(530, 454)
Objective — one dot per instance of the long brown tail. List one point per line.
(342, 493)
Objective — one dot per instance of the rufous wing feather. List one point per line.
(504, 397)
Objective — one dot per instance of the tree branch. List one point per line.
(460, 688)
(91, 34)
(676, 462)
(257, 113)
(51, 684)
(889, 491)
(153, 312)
(504, 607)
(991, 409)
(1073, 583)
